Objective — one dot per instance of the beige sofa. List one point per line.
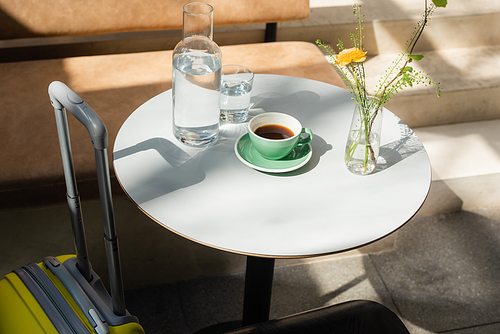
(96, 48)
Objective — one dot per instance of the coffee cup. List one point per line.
(274, 135)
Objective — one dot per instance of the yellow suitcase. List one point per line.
(63, 294)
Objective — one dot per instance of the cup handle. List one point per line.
(305, 136)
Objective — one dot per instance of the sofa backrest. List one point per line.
(37, 18)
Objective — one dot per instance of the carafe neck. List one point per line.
(198, 20)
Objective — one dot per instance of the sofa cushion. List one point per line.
(32, 18)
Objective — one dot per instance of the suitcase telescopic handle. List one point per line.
(62, 97)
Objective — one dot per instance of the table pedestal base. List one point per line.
(257, 297)
(258, 288)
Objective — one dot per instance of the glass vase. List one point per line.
(196, 79)
(363, 142)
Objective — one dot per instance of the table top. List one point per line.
(209, 196)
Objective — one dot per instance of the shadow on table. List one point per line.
(171, 153)
(285, 102)
(304, 105)
(319, 148)
(169, 177)
(397, 151)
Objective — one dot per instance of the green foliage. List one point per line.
(396, 77)
(415, 57)
(440, 3)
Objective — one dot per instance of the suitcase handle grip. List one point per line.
(61, 96)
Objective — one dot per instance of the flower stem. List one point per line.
(411, 46)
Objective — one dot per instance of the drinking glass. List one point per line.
(236, 85)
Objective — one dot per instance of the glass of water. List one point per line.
(236, 85)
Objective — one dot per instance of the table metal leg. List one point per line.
(271, 32)
(258, 288)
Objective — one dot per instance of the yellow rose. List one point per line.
(347, 56)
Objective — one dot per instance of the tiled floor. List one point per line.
(443, 276)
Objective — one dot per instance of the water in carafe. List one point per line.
(196, 78)
(195, 93)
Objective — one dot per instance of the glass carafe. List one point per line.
(196, 77)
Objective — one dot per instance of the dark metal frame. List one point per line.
(258, 289)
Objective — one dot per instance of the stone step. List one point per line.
(470, 84)
(460, 45)
(465, 160)
(389, 24)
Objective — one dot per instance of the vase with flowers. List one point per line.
(363, 142)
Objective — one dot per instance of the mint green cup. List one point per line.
(275, 149)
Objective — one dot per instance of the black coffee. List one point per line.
(274, 131)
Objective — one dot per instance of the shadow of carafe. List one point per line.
(180, 169)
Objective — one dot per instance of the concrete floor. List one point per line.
(440, 272)
(441, 276)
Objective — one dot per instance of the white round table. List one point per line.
(209, 196)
